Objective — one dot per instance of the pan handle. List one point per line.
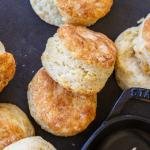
(137, 93)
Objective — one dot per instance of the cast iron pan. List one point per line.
(124, 131)
(25, 35)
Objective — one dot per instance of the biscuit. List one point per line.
(2, 48)
(56, 110)
(31, 143)
(58, 12)
(79, 59)
(7, 67)
(14, 125)
(133, 58)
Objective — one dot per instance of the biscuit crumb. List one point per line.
(140, 21)
(23, 65)
(73, 144)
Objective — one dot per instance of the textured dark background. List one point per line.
(25, 35)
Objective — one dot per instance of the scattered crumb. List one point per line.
(73, 145)
(33, 71)
(23, 65)
(140, 21)
(25, 55)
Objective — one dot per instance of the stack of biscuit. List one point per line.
(133, 58)
(62, 96)
(77, 62)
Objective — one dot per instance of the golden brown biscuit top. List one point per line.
(13, 125)
(84, 12)
(94, 48)
(146, 32)
(146, 37)
(142, 45)
(9, 133)
(7, 68)
(64, 112)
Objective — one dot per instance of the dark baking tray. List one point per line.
(25, 35)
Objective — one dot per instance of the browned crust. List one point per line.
(92, 47)
(14, 125)
(57, 110)
(146, 32)
(83, 12)
(7, 69)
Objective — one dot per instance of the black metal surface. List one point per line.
(25, 35)
(128, 139)
(121, 125)
(118, 134)
(133, 94)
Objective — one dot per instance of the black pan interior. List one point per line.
(123, 134)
